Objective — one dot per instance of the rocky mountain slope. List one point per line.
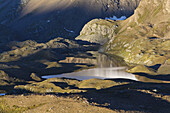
(143, 38)
(43, 20)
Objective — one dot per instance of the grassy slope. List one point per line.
(144, 38)
(134, 37)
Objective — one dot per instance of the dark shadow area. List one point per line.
(155, 67)
(153, 38)
(64, 19)
(33, 63)
(6, 35)
(127, 97)
(156, 77)
(9, 89)
(64, 85)
(20, 92)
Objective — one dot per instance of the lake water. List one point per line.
(101, 73)
(2, 94)
(107, 67)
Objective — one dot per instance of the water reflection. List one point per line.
(107, 67)
(102, 73)
(105, 61)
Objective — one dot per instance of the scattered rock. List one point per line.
(3, 75)
(35, 77)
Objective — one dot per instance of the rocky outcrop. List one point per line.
(98, 31)
(3, 75)
(49, 19)
(35, 77)
(45, 58)
(78, 60)
(26, 48)
(63, 85)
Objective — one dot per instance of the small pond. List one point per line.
(107, 68)
(101, 73)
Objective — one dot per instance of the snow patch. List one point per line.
(69, 30)
(48, 21)
(115, 18)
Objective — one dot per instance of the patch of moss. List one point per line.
(108, 23)
(144, 16)
(132, 24)
(92, 33)
(158, 9)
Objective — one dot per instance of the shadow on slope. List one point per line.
(46, 62)
(134, 96)
(155, 77)
(49, 19)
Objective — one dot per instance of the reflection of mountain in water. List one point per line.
(107, 68)
(109, 61)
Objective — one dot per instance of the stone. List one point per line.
(3, 75)
(35, 77)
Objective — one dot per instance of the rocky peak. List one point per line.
(151, 13)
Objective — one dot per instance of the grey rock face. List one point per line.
(97, 31)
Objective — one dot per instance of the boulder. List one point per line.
(35, 77)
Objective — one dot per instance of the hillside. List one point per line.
(141, 39)
(144, 37)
